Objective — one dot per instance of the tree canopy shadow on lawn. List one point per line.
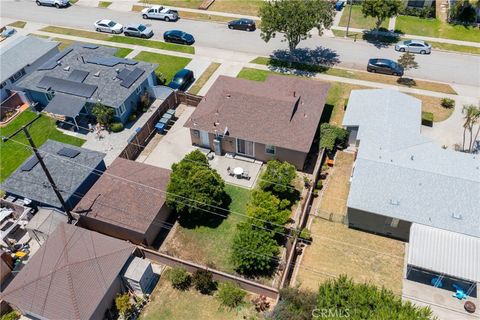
(208, 217)
(306, 62)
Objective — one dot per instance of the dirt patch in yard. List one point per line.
(434, 105)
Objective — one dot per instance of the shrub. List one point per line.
(12, 315)
(427, 118)
(294, 304)
(132, 117)
(180, 278)
(425, 12)
(305, 235)
(319, 184)
(448, 103)
(203, 281)
(230, 295)
(278, 177)
(103, 114)
(268, 211)
(161, 79)
(116, 127)
(124, 307)
(332, 136)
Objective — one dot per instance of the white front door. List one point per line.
(204, 141)
(245, 147)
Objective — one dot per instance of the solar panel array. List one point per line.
(122, 75)
(30, 164)
(89, 46)
(52, 62)
(110, 61)
(67, 152)
(132, 77)
(67, 86)
(78, 75)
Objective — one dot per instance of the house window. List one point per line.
(270, 149)
(121, 110)
(392, 222)
(3, 85)
(49, 96)
(17, 75)
(138, 90)
(196, 133)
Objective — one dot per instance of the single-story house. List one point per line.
(21, 57)
(44, 222)
(73, 169)
(76, 274)
(275, 119)
(127, 202)
(401, 177)
(74, 80)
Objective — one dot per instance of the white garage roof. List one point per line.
(443, 251)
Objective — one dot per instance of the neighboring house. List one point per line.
(275, 119)
(76, 274)
(401, 177)
(70, 83)
(73, 169)
(127, 202)
(21, 57)
(44, 222)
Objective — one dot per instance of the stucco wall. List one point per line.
(108, 299)
(132, 101)
(378, 224)
(157, 225)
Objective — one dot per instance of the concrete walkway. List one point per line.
(198, 66)
(391, 23)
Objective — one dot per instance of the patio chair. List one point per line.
(230, 171)
(245, 175)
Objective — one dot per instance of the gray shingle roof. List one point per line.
(65, 105)
(401, 174)
(69, 275)
(21, 52)
(34, 185)
(109, 91)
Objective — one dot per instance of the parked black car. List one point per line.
(242, 24)
(182, 80)
(385, 66)
(177, 36)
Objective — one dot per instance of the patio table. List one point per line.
(238, 171)
(171, 111)
(160, 127)
(164, 121)
(167, 116)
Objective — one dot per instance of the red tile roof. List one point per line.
(132, 205)
(282, 111)
(69, 275)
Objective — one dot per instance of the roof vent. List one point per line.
(117, 70)
(294, 93)
(394, 202)
(411, 157)
(97, 74)
(67, 68)
(457, 216)
(228, 95)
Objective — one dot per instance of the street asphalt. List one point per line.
(463, 69)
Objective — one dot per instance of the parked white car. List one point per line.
(54, 3)
(109, 26)
(415, 46)
(159, 12)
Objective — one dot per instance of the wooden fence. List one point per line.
(140, 139)
(245, 284)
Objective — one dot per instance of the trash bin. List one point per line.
(339, 5)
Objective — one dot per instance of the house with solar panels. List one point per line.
(75, 79)
(74, 170)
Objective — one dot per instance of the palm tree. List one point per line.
(470, 116)
(475, 120)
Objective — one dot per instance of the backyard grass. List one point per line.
(242, 7)
(211, 245)
(14, 154)
(104, 4)
(436, 28)
(168, 303)
(18, 24)
(153, 44)
(198, 85)
(167, 65)
(358, 20)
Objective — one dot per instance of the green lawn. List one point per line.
(104, 4)
(211, 245)
(13, 154)
(122, 52)
(167, 65)
(18, 24)
(358, 20)
(153, 44)
(436, 28)
(254, 74)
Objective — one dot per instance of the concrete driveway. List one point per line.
(173, 146)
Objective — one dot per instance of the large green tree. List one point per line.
(254, 250)
(381, 10)
(268, 211)
(332, 136)
(194, 187)
(295, 19)
(278, 178)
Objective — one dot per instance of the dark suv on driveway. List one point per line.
(385, 66)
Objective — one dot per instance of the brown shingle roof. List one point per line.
(282, 111)
(69, 275)
(123, 203)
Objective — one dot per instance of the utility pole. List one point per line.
(349, 17)
(44, 167)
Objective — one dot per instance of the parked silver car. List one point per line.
(414, 46)
(54, 3)
(108, 26)
(138, 30)
(159, 12)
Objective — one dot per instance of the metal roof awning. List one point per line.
(445, 252)
(65, 105)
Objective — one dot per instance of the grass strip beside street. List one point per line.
(359, 75)
(241, 7)
(76, 33)
(14, 154)
(198, 85)
(18, 24)
(104, 4)
(192, 15)
(167, 65)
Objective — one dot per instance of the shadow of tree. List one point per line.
(305, 61)
(206, 216)
(381, 39)
(407, 82)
